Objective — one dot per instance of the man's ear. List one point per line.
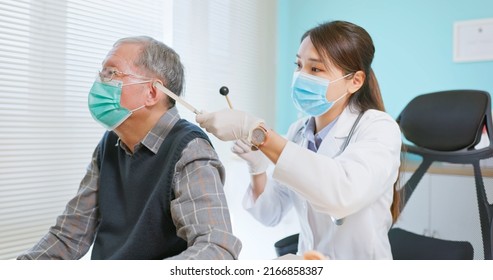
(357, 81)
(153, 95)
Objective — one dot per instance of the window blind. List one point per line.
(50, 52)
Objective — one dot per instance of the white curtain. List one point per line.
(227, 43)
(232, 43)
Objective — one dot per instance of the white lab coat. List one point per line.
(356, 185)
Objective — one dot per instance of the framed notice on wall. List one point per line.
(473, 40)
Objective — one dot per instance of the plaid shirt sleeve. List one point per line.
(199, 210)
(74, 231)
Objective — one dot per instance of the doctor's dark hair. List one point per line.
(350, 48)
(159, 60)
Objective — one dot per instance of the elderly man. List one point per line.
(154, 187)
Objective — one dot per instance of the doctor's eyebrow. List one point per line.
(311, 59)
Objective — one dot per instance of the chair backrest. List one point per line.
(446, 126)
(447, 120)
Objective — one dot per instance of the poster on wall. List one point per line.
(473, 40)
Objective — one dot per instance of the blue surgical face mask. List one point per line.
(309, 93)
(104, 103)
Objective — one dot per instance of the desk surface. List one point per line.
(410, 165)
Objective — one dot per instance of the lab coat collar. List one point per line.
(338, 134)
(346, 120)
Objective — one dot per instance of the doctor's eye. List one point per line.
(316, 70)
(298, 65)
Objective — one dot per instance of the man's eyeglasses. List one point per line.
(108, 74)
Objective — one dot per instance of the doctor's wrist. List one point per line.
(258, 136)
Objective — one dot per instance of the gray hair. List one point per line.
(160, 60)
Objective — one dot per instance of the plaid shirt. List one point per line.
(199, 210)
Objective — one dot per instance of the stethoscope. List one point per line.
(299, 134)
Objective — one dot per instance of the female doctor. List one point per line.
(339, 165)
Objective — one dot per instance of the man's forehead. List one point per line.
(122, 56)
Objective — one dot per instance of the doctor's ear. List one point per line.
(356, 81)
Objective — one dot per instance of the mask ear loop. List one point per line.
(136, 83)
(138, 108)
(341, 78)
(333, 102)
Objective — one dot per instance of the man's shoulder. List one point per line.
(184, 125)
(197, 139)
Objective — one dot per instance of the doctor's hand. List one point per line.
(228, 124)
(256, 160)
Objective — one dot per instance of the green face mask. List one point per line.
(104, 103)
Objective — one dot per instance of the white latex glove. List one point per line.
(256, 160)
(228, 124)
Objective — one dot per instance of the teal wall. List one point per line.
(413, 41)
